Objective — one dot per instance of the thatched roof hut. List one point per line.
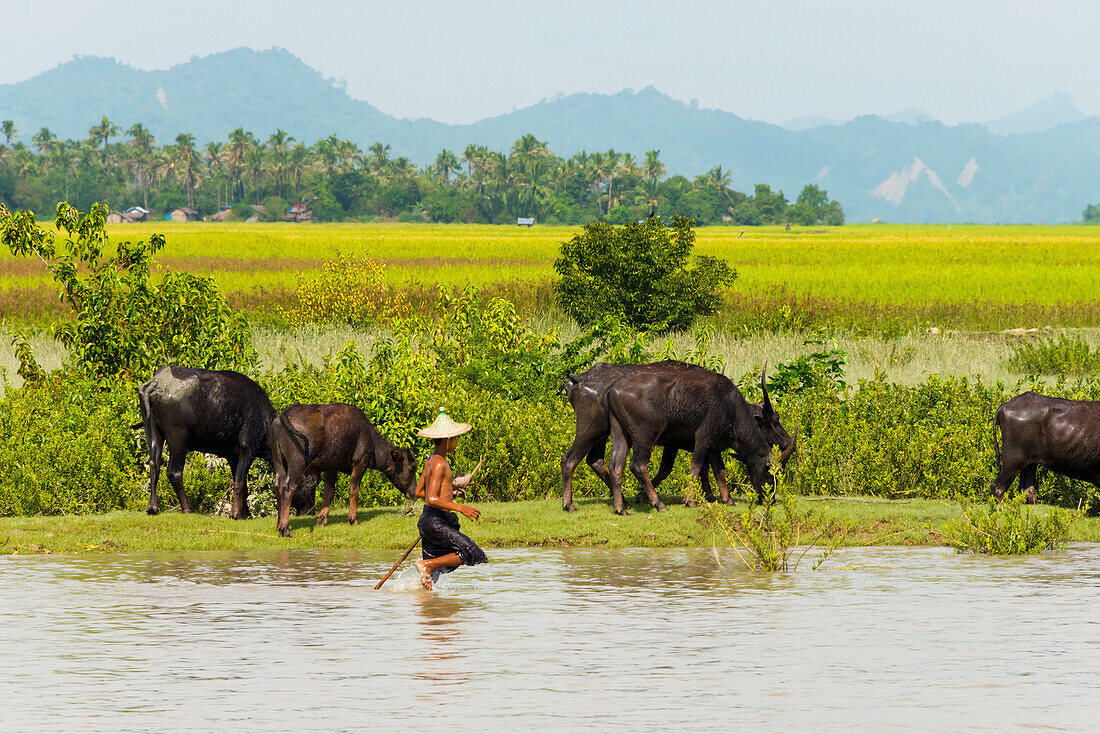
(299, 212)
(184, 214)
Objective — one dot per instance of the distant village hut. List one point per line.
(525, 221)
(223, 215)
(114, 218)
(136, 214)
(300, 212)
(184, 214)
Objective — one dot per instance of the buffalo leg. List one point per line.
(719, 468)
(175, 476)
(326, 497)
(639, 466)
(282, 503)
(595, 461)
(1027, 483)
(156, 455)
(699, 475)
(240, 464)
(668, 461)
(585, 447)
(287, 478)
(619, 449)
(353, 495)
(1005, 475)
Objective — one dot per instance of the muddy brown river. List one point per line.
(639, 640)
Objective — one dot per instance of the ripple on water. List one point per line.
(592, 639)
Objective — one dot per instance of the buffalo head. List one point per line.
(768, 420)
(404, 471)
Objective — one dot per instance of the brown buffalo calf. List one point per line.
(330, 439)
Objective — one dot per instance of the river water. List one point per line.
(597, 640)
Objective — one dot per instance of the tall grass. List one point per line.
(863, 278)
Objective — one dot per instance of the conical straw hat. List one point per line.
(443, 427)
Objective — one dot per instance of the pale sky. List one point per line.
(459, 61)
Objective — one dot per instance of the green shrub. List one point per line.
(1066, 356)
(123, 324)
(349, 290)
(823, 368)
(68, 448)
(1007, 529)
(776, 535)
(639, 273)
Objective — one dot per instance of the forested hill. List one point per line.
(895, 171)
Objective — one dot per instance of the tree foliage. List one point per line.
(343, 182)
(639, 273)
(124, 324)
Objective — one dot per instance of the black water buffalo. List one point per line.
(330, 439)
(588, 395)
(217, 412)
(1057, 433)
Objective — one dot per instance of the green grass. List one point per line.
(860, 278)
(907, 359)
(502, 525)
(892, 264)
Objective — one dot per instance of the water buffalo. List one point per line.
(330, 439)
(217, 412)
(1057, 433)
(588, 394)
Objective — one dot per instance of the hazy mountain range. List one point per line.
(1037, 165)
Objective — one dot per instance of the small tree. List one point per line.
(124, 325)
(640, 274)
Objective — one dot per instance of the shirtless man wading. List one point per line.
(443, 546)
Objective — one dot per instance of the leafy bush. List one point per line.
(1066, 356)
(68, 448)
(823, 368)
(935, 439)
(767, 537)
(124, 324)
(349, 290)
(639, 273)
(1007, 529)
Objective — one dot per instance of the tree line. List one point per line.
(126, 168)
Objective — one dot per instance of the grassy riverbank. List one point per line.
(536, 523)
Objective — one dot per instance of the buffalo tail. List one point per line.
(301, 441)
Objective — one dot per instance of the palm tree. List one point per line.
(256, 167)
(213, 156)
(349, 155)
(719, 180)
(649, 194)
(604, 167)
(64, 159)
(612, 162)
(475, 156)
(141, 145)
(44, 140)
(189, 162)
(327, 148)
(297, 165)
(379, 160)
(105, 130)
(445, 164)
(7, 127)
(653, 168)
(236, 155)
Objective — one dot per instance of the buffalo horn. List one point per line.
(768, 410)
(786, 455)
